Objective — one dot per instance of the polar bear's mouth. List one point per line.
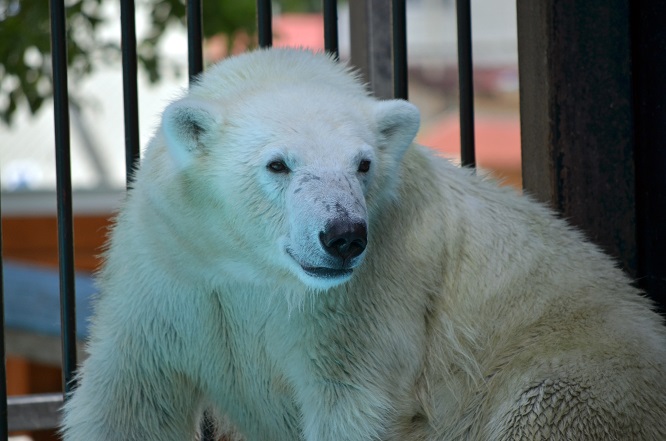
(327, 273)
(321, 272)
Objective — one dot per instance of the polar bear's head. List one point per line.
(297, 156)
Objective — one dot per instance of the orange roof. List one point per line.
(299, 30)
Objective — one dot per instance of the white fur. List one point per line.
(473, 313)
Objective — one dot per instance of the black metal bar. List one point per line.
(331, 27)
(399, 16)
(194, 38)
(466, 82)
(130, 93)
(64, 193)
(4, 429)
(264, 24)
(648, 68)
(371, 41)
(34, 412)
(195, 67)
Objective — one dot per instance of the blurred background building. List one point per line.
(27, 147)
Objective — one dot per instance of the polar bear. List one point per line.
(290, 258)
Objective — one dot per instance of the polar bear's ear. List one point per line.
(397, 121)
(186, 124)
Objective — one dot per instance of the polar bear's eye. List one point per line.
(364, 166)
(278, 167)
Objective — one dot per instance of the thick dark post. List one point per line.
(194, 38)
(370, 23)
(264, 24)
(64, 193)
(399, 19)
(130, 91)
(649, 71)
(331, 27)
(466, 83)
(576, 116)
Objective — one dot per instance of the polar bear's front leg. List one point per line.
(123, 399)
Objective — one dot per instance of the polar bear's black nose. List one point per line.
(344, 239)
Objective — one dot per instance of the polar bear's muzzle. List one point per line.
(328, 227)
(344, 241)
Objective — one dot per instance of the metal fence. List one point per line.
(381, 45)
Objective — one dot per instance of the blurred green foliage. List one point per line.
(25, 45)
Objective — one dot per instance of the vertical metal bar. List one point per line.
(399, 16)
(264, 25)
(466, 82)
(195, 67)
(648, 68)
(64, 193)
(194, 38)
(331, 27)
(4, 426)
(130, 94)
(370, 29)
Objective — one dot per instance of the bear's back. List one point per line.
(546, 336)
